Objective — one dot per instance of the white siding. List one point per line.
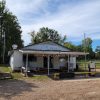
(16, 60)
(12, 61)
(38, 63)
(63, 62)
(73, 61)
(56, 62)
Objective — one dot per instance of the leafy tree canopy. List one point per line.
(9, 26)
(97, 52)
(87, 44)
(97, 49)
(70, 46)
(46, 34)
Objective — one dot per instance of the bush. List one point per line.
(66, 75)
(55, 76)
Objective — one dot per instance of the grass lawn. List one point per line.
(82, 64)
(18, 75)
(5, 69)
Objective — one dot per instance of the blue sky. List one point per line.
(68, 17)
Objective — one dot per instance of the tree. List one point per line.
(87, 47)
(79, 48)
(46, 34)
(97, 52)
(2, 6)
(70, 46)
(97, 49)
(87, 44)
(9, 27)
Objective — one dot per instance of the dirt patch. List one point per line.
(28, 89)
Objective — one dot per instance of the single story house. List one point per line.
(47, 55)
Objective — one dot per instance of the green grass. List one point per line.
(40, 77)
(18, 75)
(5, 69)
(82, 64)
(98, 65)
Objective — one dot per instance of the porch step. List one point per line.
(5, 76)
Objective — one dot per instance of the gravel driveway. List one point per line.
(28, 89)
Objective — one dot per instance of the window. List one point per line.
(30, 58)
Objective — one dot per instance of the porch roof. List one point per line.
(53, 52)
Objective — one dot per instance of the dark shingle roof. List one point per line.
(46, 46)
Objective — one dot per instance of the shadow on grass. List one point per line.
(11, 88)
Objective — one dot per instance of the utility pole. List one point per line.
(3, 36)
(85, 49)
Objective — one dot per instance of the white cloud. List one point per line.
(20, 7)
(72, 20)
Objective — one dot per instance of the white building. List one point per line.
(46, 55)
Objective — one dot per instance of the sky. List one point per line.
(69, 17)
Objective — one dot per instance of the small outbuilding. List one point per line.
(46, 55)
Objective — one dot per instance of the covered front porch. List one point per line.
(48, 62)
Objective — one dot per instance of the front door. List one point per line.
(45, 62)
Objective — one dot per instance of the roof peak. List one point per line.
(46, 46)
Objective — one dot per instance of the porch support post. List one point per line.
(48, 64)
(85, 62)
(68, 62)
(26, 64)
